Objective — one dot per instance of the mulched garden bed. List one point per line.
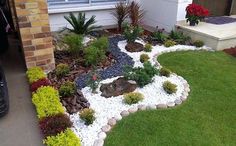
(231, 51)
(77, 66)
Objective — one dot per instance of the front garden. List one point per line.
(100, 78)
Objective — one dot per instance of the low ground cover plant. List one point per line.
(198, 43)
(67, 89)
(144, 58)
(53, 125)
(169, 43)
(94, 55)
(93, 81)
(159, 36)
(142, 76)
(165, 72)
(67, 138)
(47, 102)
(87, 115)
(148, 47)
(131, 33)
(132, 98)
(74, 43)
(179, 37)
(34, 74)
(101, 43)
(39, 83)
(169, 87)
(62, 70)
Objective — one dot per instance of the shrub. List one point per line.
(52, 125)
(179, 37)
(121, 13)
(198, 43)
(148, 47)
(131, 33)
(93, 81)
(79, 23)
(142, 76)
(67, 89)
(94, 55)
(39, 83)
(74, 43)
(47, 102)
(144, 58)
(169, 87)
(165, 72)
(159, 36)
(132, 98)
(136, 14)
(101, 43)
(87, 115)
(62, 70)
(169, 43)
(67, 138)
(34, 74)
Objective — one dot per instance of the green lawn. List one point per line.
(207, 118)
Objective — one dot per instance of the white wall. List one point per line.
(103, 17)
(164, 13)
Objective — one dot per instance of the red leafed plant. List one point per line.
(51, 126)
(196, 13)
(42, 82)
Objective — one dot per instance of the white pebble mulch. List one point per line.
(110, 110)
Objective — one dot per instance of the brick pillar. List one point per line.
(33, 22)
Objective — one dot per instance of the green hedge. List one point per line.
(47, 102)
(34, 74)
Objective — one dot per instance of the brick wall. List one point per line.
(33, 22)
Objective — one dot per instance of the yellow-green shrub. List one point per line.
(132, 98)
(169, 87)
(47, 102)
(34, 74)
(87, 115)
(165, 72)
(148, 47)
(169, 43)
(67, 138)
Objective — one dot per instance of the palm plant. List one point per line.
(136, 14)
(80, 24)
(121, 13)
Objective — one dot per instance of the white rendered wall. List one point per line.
(164, 13)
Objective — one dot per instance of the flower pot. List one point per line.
(192, 23)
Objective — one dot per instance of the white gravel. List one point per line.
(107, 108)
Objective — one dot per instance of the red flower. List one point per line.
(94, 77)
(197, 10)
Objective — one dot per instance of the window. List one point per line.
(74, 3)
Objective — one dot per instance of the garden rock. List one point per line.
(133, 109)
(106, 128)
(162, 106)
(134, 47)
(112, 122)
(98, 142)
(118, 87)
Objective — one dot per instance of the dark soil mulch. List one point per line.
(231, 51)
(77, 66)
(134, 47)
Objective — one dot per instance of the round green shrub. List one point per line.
(67, 138)
(132, 98)
(165, 72)
(169, 43)
(94, 55)
(67, 89)
(144, 58)
(169, 87)
(87, 115)
(34, 74)
(198, 43)
(62, 70)
(148, 47)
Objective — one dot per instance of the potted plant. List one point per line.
(196, 13)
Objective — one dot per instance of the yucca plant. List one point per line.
(136, 14)
(80, 24)
(121, 13)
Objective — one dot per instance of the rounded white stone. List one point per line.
(98, 142)
(178, 101)
(106, 128)
(112, 122)
(124, 113)
(102, 135)
(118, 117)
(151, 107)
(142, 107)
(170, 104)
(133, 110)
(162, 106)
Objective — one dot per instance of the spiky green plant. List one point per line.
(121, 13)
(81, 25)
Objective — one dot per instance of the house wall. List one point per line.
(164, 13)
